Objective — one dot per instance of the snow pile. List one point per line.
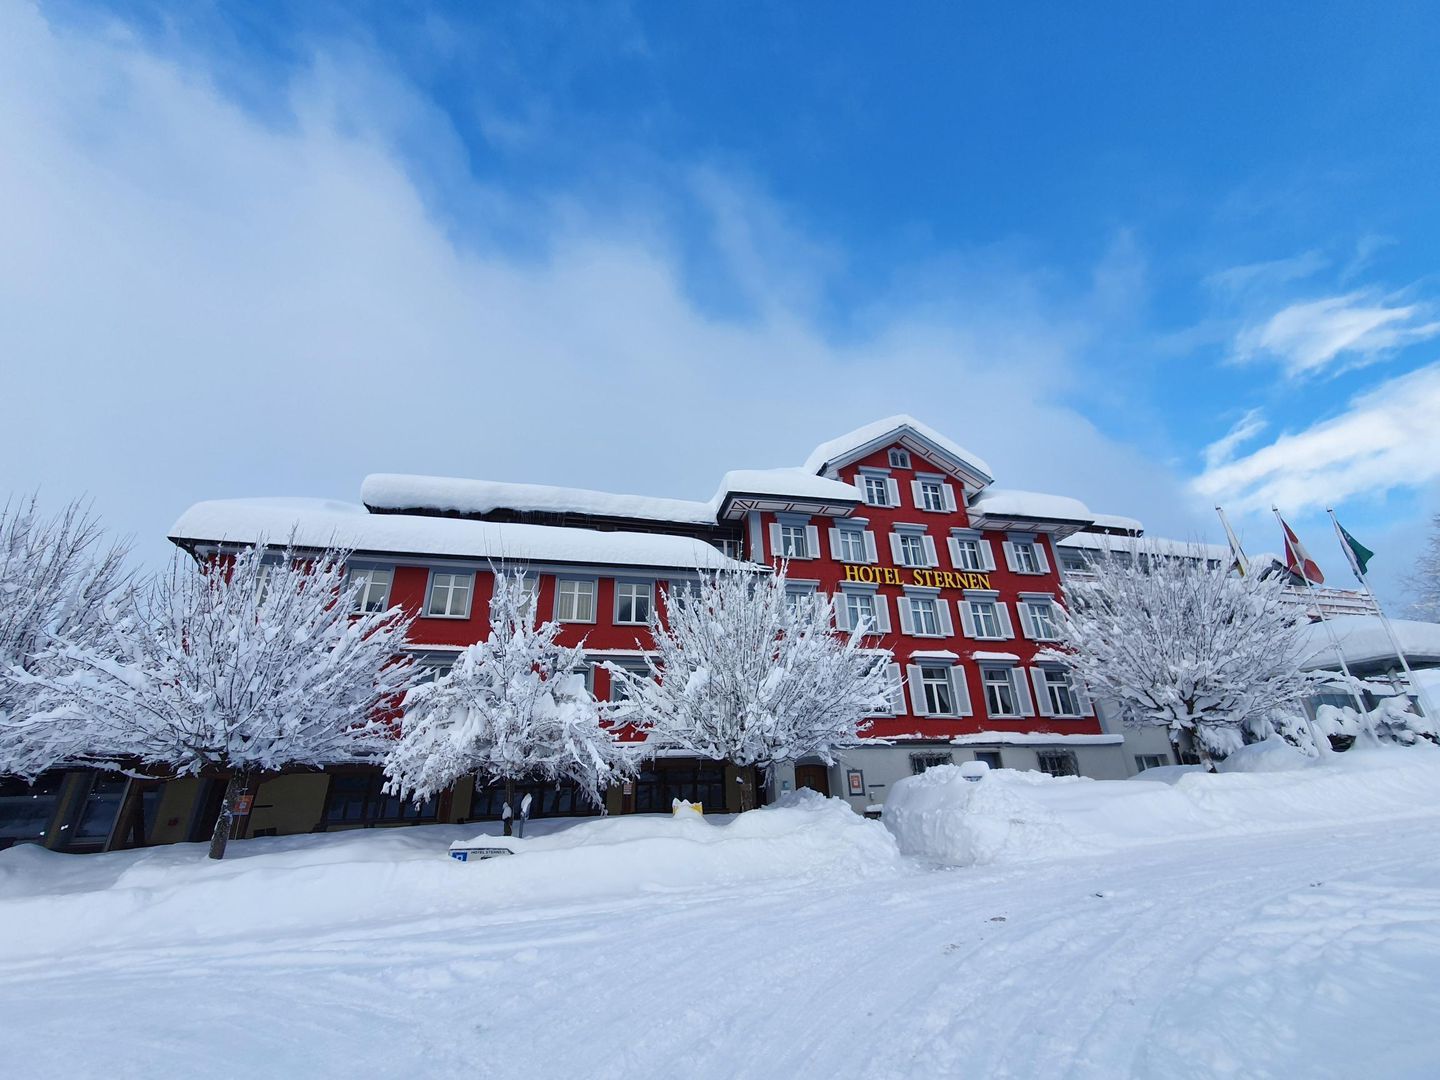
(399, 491)
(1027, 816)
(272, 887)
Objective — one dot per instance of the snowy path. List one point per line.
(1309, 954)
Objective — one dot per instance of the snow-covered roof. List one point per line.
(318, 523)
(871, 436)
(1034, 738)
(1363, 640)
(397, 491)
(1183, 548)
(1118, 523)
(1003, 508)
(796, 483)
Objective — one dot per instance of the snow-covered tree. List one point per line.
(1424, 581)
(57, 580)
(747, 672)
(1175, 642)
(239, 666)
(514, 707)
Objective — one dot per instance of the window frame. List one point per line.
(927, 488)
(649, 587)
(1065, 757)
(935, 677)
(1159, 761)
(454, 575)
(898, 458)
(847, 536)
(787, 548)
(884, 485)
(1007, 674)
(1067, 685)
(574, 583)
(915, 617)
(921, 760)
(362, 594)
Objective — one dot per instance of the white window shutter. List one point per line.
(1082, 697)
(953, 546)
(1042, 697)
(961, 688)
(882, 614)
(987, 556)
(842, 613)
(895, 553)
(870, 554)
(967, 618)
(917, 494)
(893, 487)
(775, 550)
(917, 690)
(897, 689)
(931, 559)
(1022, 692)
(1041, 560)
(1010, 560)
(1027, 624)
(1007, 628)
(947, 627)
(835, 544)
(949, 490)
(859, 486)
(812, 541)
(906, 623)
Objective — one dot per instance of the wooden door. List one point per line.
(815, 777)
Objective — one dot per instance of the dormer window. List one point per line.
(900, 459)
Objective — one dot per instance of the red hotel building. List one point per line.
(896, 521)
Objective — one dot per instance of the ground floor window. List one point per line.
(546, 800)
(1150, 761)
(661, 783)
(989, 757)
(920, 762)
(27, 809)
(1058, 763)
(356, 798)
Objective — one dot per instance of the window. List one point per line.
(1025, 556)
(877, 491)
(793, 542)
(797, 595)
(939, 693)
(357, 799)
(632, 602)
(433, 671)
(967, 553)
(924, 616)
(1061, 692)
(619, 688)
(729, 548)
(1151, 761)
(989, 757)
(912, 549)
(1057, 763)
(985, 617)
(450, 594)
(920, 762)
(899, 459)
(575, 601)
(860, 607)
(1000, 696)
(372, 587)
(852, 545)
(932, 495)
(1043, 624)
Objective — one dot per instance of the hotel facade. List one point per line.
(903, 527)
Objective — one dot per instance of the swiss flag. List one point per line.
(1297, 559)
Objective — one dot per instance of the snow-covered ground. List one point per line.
(794, 941)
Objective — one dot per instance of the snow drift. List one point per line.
(291, 885)
(1027, 816)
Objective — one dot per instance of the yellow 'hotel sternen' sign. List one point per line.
(930, 579)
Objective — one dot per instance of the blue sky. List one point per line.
(1156, 256)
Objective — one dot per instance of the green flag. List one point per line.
(1358, 554)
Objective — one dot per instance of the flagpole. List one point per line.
(1419, 690)
(1241, 562)
(1329, 630)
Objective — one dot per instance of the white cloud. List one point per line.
(1242, 431)
(1344, 331)
(1386, 439)
(198, 303)
(1263, 276)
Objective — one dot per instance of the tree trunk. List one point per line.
(510, 806)
(239, 781)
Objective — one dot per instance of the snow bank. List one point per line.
(289, 885)
(1027, 816)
